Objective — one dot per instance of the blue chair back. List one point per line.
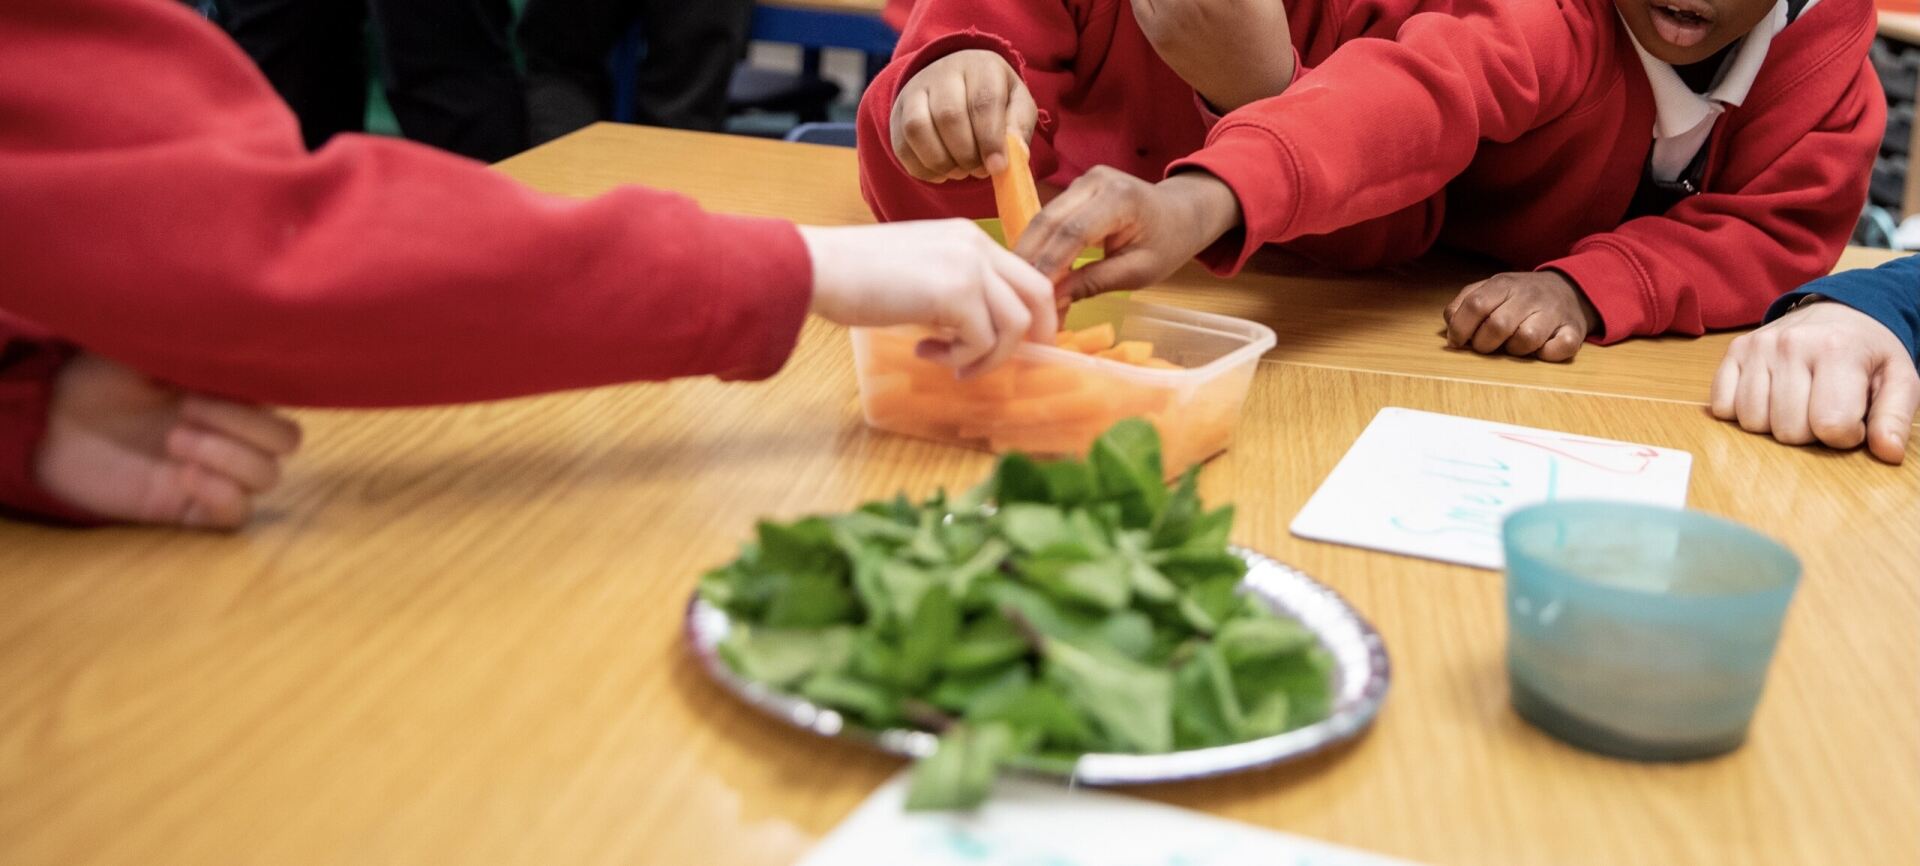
(835, 134)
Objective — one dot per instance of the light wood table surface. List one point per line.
(456, 640)
(1385, 322)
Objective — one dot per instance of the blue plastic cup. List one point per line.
(1641, 632)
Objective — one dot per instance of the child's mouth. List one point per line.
(1682, 23)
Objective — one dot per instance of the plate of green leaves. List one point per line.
(1081, 619)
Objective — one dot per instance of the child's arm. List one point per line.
(1019, 57)
(1373, 132)
(180, 229)
(1782, 209)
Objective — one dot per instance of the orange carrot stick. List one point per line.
(1014, 193)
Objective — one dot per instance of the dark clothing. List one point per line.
(681, 82)
(447, 64)
(1889, 293)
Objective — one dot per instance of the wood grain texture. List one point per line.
(455, 638)
(456, 641)
(1384, 321)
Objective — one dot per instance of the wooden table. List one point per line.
(456, 638)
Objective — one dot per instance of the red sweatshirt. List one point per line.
(157, 207)
(1513, 128)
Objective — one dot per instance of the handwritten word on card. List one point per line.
(1029, 823)
(1438, 486)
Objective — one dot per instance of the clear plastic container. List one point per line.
(1053, 402)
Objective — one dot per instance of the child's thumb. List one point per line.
(1890, 418)
(1124, 272)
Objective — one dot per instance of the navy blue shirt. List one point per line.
(1889, 293)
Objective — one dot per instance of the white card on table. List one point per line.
(1438, 486)
(1030, 823)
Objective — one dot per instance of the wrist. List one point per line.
(1212, 208)
(820, 243)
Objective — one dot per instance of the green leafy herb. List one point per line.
(1059, 608)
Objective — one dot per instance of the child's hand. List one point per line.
(950, 121)
(1824, 371)
(1540, 313)
(1149, 229)
(947, 275)
(122, 447)
(1232, 51)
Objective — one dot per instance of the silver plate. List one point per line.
(1361, 676)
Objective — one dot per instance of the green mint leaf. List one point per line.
(958, 691)
(1206, 712)
(1258, 638)
(1269, 716)
(1126, 461)
(1103, 584)
(929, 633)
(1129, 633)
(903, 584)
(1306, 678)
(1131, 703)
(1207, 604)
(869, 704)
(811, 601)
(782, 657)
(805, 546)
(1019, 479)
(960, 773)
(1038, 710)
(984, 563)
(1069, 482)
(1174, 525)
(1037, 528)
(990, 641)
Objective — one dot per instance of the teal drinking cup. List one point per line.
(1641, 632)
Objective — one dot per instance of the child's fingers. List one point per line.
(1563, 345)
(262, 428)
(1124, 272)
(972, 326)
(1750, 405)
(1837, 404)
(987, 113)
(1082, 216)
(253, 470)
(1023, 116)
(924, 140)
(1890, 419)
(1726, 384)
(1787, 405)
(1035, 292)
(212, 501)
(1011, 320)
(1468, 310)
(949, 101)
(1499, 325)
(1530, 336)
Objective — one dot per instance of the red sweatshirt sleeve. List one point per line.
(1779, 214)
(29, 361)
(1038, 38)
(1380, 126)
(156, 206)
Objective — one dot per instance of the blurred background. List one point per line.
(490, 78)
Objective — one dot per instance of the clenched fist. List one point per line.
(950, 121)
